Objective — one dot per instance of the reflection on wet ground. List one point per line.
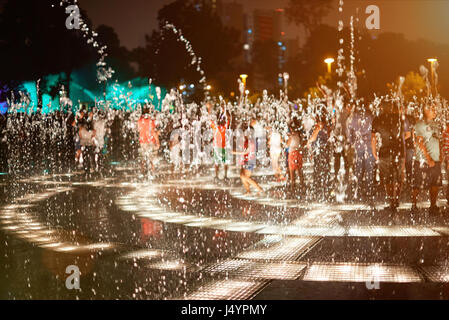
(192, 238)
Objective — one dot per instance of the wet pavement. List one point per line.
(190, 237)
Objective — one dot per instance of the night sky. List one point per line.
(427, 19)
(133, 18)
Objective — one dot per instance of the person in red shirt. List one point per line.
(295, 152)
(445, 150)
(248, 163)
(148, 139)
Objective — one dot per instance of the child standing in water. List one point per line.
(175, 152)
(320, 150)
(275, 153)
(219, 132)
(149, 140)
(295, 158)
(248, 163)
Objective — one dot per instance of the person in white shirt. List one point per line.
(275, 142)
(100, 133)
(87, 141)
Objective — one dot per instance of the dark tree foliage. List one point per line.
(306, 13)
(266, 61)
(379, 60)
(35, 42)
(309, 64)
(166, 59)
(119, 57)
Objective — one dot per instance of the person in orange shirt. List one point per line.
(148, 139)
(445, 147)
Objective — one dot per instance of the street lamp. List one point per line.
(329, 62)
(244, 77)
(432, 62)
(209, 87)
(285, 76)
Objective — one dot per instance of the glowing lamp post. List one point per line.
(329, 62)
(244, 77)
(286, 77)
(432, 62)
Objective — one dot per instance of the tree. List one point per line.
(307, 14)
(317, 91)
(414, 86)
(308, 65)
(266, 61)
(165, 57)
(35, 42)
(378, 61)
(118, 56)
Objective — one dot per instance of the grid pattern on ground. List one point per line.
(228, 290)
(259, 270)
(352, 272)
(442, 230)
(437, 273)
(304, 231)
(391, 231)
(285, 249)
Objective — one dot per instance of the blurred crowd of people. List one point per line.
(350, 145)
